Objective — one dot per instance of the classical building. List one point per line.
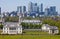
(12, 27)
(50, 29)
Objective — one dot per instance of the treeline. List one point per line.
(1, 25)
(31, 26)
(11, 19)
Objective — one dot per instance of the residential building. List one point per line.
(23, 9)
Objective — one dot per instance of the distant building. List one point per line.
(35, 10)
(35, 7)
(41, 8)
(21, 9)
(32, 21)
(47, 12)
(51, 11)
(0, 10)
(32, 7)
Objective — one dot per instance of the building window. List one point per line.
(12, 28)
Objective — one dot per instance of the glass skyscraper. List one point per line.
(0, 10)
(21, 9)
(41, 8)
(51, 11)
(32, 7)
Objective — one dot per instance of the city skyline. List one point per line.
(11, 5)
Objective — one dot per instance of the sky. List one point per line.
(11, 5)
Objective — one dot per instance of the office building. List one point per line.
(41, 8)
(47, 11)
(0, 10)
(21, 9)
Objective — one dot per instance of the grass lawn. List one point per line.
(35, 32)
(30, 36)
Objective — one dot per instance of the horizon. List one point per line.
(11, 5)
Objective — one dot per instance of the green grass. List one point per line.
(35, 33)
(30, 36)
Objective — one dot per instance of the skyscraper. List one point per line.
(53, 10)
(30, 7)
(41, 8)
(47, 11)
(35, 7)
(21, 9)
(0, 10)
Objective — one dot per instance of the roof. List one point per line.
(12, 24)
(31, 21)
(53, 27)
(50, 27)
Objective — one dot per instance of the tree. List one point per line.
(1, 26)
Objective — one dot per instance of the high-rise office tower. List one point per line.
(41, 8)
(47, 11)
(30, 7)
(0, 10)
(53, 10)
(21, 9)
(35, 7)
